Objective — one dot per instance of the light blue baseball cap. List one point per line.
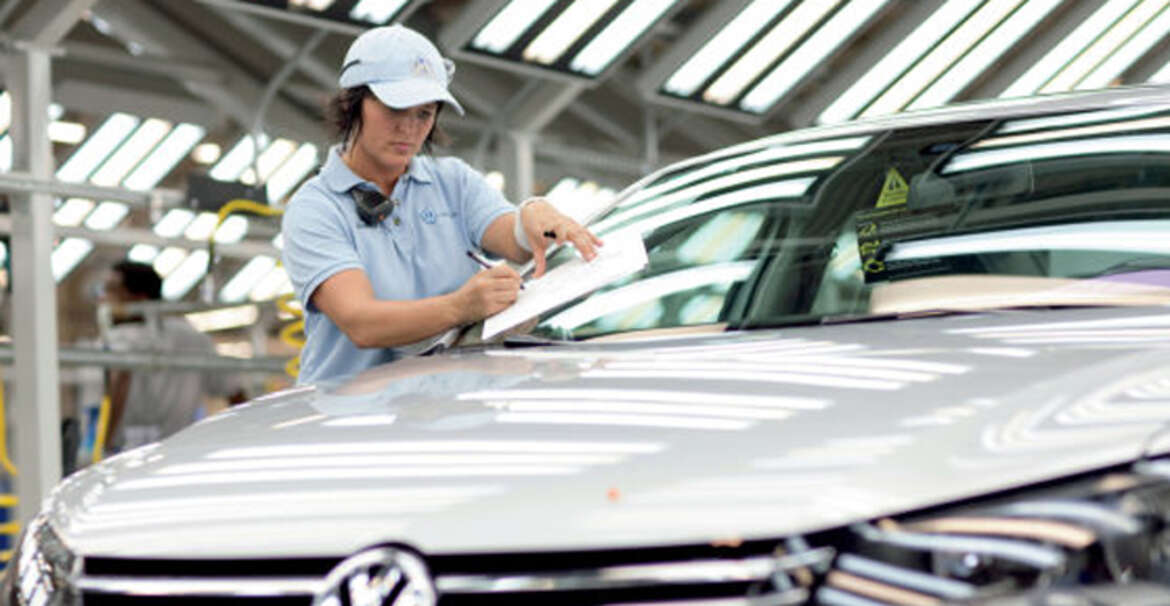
(401, 67)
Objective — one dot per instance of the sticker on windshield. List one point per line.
(880, 230)
(894, 190)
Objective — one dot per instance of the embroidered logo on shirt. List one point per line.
(428, 216)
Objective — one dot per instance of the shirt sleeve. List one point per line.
(481, 203)
(317, 244)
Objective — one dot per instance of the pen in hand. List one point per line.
(483, 262)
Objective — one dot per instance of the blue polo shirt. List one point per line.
(419, 250)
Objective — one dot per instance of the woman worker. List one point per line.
(376, 243)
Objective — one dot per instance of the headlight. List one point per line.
(46, 571)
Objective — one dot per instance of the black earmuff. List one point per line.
(372, 206)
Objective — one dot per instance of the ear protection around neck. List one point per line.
(372, 206)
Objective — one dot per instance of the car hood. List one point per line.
(668, 441)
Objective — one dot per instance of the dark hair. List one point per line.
(140, 279)
(344, 113)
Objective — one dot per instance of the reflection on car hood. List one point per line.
(706, 438)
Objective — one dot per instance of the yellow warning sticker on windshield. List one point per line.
(894, 190)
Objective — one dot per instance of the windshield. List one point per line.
(1070, 209)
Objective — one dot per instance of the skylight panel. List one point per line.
(186, 275)
(317, 5)
(506, 27)
(69, 133)
(897, 61)
(169, 152)
(1137, 46)
(1064, 52)
(174, 222)
(201, 227)
(793, 69)
(290, 174)
(168, 260)
(72, 212)
(142, 253)
(94, 150)
(231, 230)
(242, 283)
(566, 29)
(270, 286)
(1162, 75)
(5, 153)
(206, 153)
(695, 71)
(962, 73)
(376, 11)
(68, 255)
(911, 84)
(135, 148)
(775, 43)
(1092, 56)
(236, 161)
(107, 215)
(619, 35)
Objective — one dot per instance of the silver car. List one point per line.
(918, 360)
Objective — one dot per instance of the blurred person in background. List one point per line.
(149, 404)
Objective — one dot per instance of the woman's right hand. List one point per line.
(488, 292)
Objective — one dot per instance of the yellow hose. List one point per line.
(5, 462)
(289, 333)
(11, 529)
(99, 438)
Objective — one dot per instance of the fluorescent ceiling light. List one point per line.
(72, 212)
(168, 153)
(107, 215)
(376, 11)
(135, 148)
(142, 253)
(5, 111)
(186, 275)
(273, 156)
(941, 57)
(1068, 48)
(174, 222)
(1114, 236)
(774, 44)
(565, 30)
(793, 69)
(290, 173)
(897, 61)
(1137, 46)
(231, 230)
(56, 110)
(272, 284)
(67, 255)
(238, 287)
(201, 227)
(224, 318)
(236, 161)
(69, 133)
(206, 153)
(1133, 144)
(1121, 31)
(993, 46)
(168, 260)
(95, 149)
(619, 35)
(695, 71)
(505, 28)
(3, 252)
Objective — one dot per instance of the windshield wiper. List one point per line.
(517, 341)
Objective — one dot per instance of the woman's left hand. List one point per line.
(545, 225)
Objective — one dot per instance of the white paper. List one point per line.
(623, 254)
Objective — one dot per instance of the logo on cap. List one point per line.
(384, 576)
(422, 68)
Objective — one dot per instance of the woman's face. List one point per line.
(390, 137)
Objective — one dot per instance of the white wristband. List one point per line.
(518, 227)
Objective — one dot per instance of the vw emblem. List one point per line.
(383, 576)
(428, 216)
